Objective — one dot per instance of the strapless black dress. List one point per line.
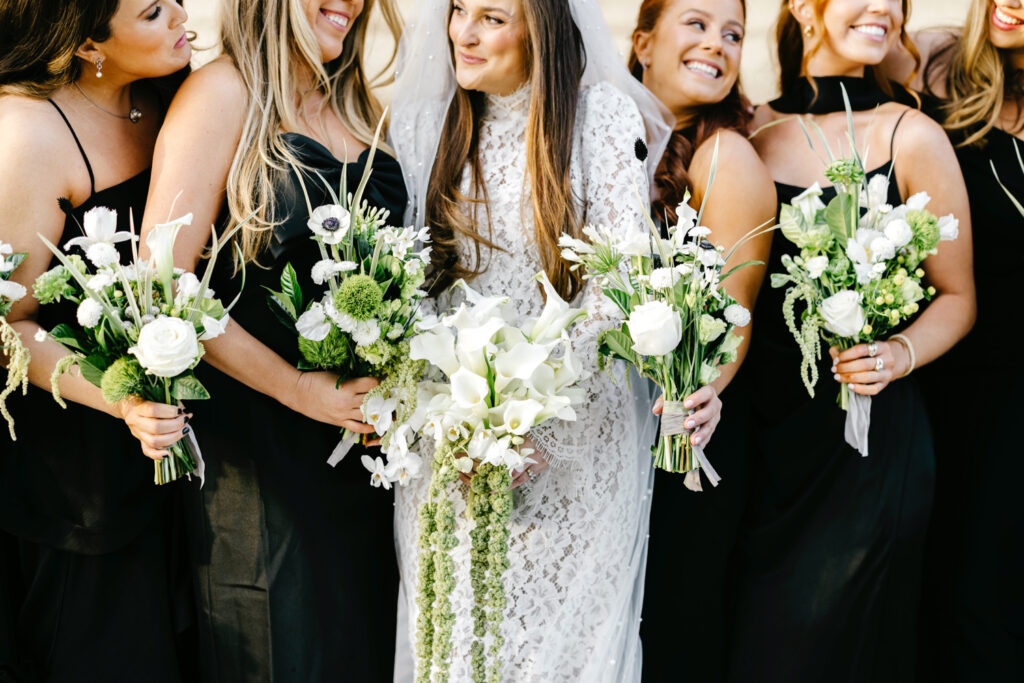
(295, 560)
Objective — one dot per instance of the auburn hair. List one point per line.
(672, 177)
(555, 64)
(793, 58)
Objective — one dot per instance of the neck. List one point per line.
(824, 62)
(110, 93)
(1017, 59)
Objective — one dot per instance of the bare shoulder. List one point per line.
(216, 86)
(919, 133)
(736, 157)
(36, 145)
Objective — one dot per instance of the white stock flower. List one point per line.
(949, 228)
(663, 278)
(366, 332)
(737, 315)
(655, 328)
(89, 313)
(808, 203)
(313, 324)
(330, 223)
(378, 475)
(214, 327)
(166, 347)
(899, 232)
(816, 265)
(882, 249)
(843, 313)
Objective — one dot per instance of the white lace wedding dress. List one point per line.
(578, 533)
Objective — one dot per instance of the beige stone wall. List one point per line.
(758, 69)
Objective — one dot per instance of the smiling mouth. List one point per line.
(874, 31)
(337, 19)
(703, 68)
(470, 59)
(1005, 19)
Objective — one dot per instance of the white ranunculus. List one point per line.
(469, 390)
(89, 313)
(166, 347)
(843, 313)
(737, 314)
(213, 327)
(330, 223)
(102, 254)
(635, 243)
(808, 203)
(949, 228)
(816, 265)
(882, 249)
(656, 328)
(313, 324)
(709, 328)
(899, 232)
(663, 278)
(187, 289)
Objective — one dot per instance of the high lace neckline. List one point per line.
(514, 105)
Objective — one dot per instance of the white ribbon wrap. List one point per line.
(343, 447)
(858, 422)
(673, 422)
(200, 470)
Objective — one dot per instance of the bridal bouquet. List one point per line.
(858, 273)
(10, 341)
(140, 326)
(362, 324)
(500, 381)
(679, 321)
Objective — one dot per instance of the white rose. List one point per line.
(656, 328)
(899, 232)
(89, 313)
(11, 290)
(815, 267)
(843, 313)
(949, 228)
(737, 314)
(166, 347)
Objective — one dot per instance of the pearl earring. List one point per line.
(99, 68)
(808, 30)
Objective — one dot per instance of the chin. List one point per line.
(1006, 41)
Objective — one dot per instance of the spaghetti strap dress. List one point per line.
(89, 578)
(294, 560)
(829, 567)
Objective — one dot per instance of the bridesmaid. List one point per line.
(295, 560)
(829, 575)
(974, 602)
(87, 566)
(687, 52)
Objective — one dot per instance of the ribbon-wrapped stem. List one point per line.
(675, 452)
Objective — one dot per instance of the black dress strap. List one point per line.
(892, 140)
(85, 158)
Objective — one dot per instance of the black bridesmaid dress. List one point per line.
(828, 571)
(974, 584)
(92, 581)
(295, 560)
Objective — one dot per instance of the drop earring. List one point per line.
(808, 30)
(99, 68)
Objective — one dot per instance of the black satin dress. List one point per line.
(830, 560)
(295, 560)
(92, 586)
(974, 591)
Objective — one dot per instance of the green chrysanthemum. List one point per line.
(122, 379)
(332, 352)
(359, 296)
(53, 285)
(926, 229)
(845, 172)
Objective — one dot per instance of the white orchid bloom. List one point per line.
(330, 223)
(378, 412)
(404, 469)
(313, 324)
(378, 474)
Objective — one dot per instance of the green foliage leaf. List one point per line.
(69, 337)
(738, 267)
(620, 298)
(93, 367)
(836, 215)
(281, 306)
(290, 287)
(618, 343)
(188, 388)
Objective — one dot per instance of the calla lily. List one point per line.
(469, 389)
(472, 339)
(161, 249)
(521, 416)
(437, 347)
(556, 316)
(521, 360)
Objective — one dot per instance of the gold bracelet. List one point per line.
(902, 339)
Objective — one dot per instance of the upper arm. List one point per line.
(33, 181)
(926, 162)
(193, 155)
(741, 199)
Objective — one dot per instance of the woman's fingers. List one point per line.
(357, 426)
(157, 427)
(360, 385)
(871, 377)
(659, 406)
(157, 411)
(853, 353)
(154, 454)
(700, 397)
(703, 434)
(868, 389)
(519, 480)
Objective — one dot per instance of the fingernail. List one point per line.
(689, 425)
(180, 410)
(688, 404)
(185, 430)
(696, 440)
(836, 376)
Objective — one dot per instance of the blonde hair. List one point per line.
(976, 80)
(272, 44)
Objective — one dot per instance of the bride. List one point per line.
(522, 126)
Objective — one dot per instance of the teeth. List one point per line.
(701, 67)
(339, 20)
(1006, 18)
(871, 30)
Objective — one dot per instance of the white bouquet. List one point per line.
(501, 380)
(10, 340)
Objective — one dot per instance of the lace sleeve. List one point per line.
(612, 181)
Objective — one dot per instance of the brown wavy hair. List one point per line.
(555, 62)
(672, 178)
(793, 60)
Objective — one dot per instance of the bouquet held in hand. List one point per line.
(10, 340)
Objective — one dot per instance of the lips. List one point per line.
(470, 59)
(338, 20)
(182, 42)
(1004, 21)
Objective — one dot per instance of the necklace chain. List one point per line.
(134, 114)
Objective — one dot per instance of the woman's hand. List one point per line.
(320, 397)
(532, 469)
(707, 413)
(868, 368)
(157, 426)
